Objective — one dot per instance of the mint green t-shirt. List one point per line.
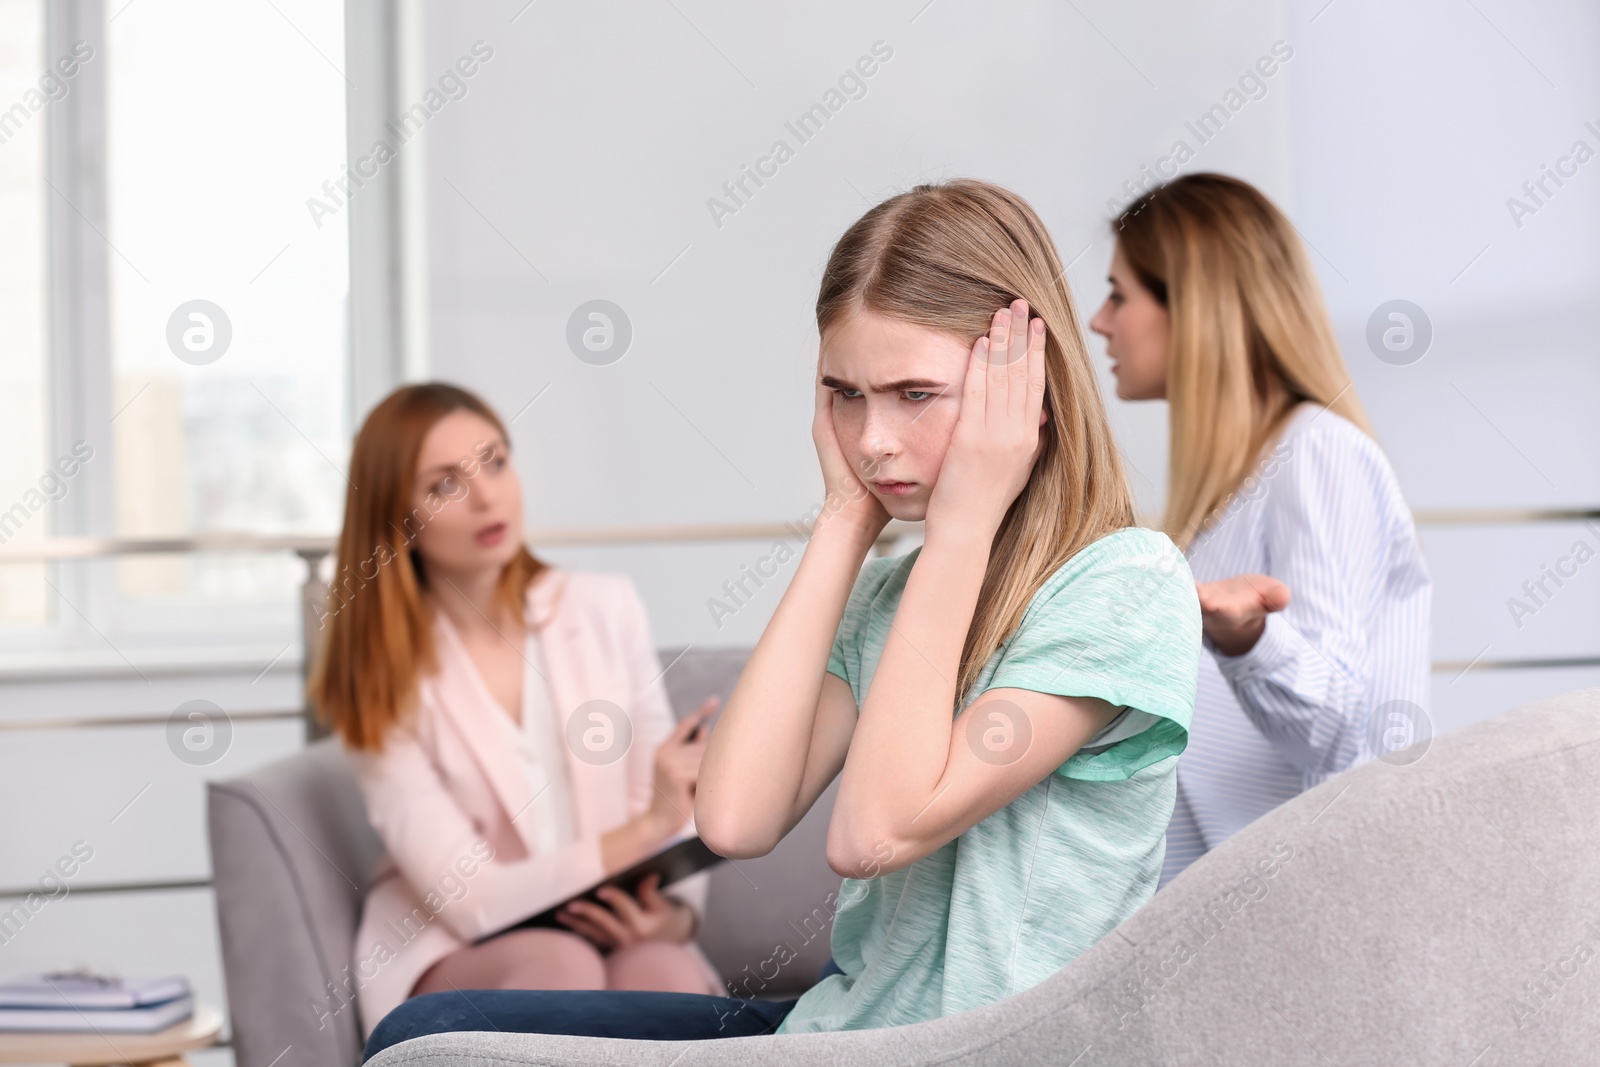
(1024, 892)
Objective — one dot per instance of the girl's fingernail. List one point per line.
(1038, 326)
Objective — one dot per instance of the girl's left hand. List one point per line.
(649, 917)
(997, 439)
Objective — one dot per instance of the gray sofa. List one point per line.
(1441, 911)
(291, 853)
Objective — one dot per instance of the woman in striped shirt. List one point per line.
(1314, 593)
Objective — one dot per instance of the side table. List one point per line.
(164, 1048)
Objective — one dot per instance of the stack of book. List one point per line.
(79, 1001)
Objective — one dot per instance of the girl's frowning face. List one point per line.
(896, 396)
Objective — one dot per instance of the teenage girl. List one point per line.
(507, 724)
(1314, 593)
(1003, 706)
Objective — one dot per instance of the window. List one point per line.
(214, 391)
(206, 200)
(24, 389)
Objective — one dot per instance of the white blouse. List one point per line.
(1324, 515)
(539, 745)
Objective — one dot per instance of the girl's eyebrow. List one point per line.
(901, 386)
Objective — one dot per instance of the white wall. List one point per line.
(1392, 138)
(1412, 126)
(581, 163)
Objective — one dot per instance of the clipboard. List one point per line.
(674, 863)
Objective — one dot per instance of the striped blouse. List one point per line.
(1323, 514)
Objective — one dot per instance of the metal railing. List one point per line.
(313, 591)
(314, 550)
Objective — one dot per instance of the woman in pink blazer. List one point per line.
(508, 725)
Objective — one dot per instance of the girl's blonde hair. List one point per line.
(377, 635)
(947, 257)
(1246, 311)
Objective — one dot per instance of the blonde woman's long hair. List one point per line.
(947, 257)
(1246, 311)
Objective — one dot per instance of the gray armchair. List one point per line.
(1439, 912)
(291, 854)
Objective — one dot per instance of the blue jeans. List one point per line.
(636, 1014)
(631, 1013)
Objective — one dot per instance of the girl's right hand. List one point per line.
(677, 768)
(847, 496)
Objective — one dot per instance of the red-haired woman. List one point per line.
(508, 725)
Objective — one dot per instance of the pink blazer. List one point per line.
(445, 792)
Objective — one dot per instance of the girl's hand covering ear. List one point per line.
(997, 439)
(847, 497)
